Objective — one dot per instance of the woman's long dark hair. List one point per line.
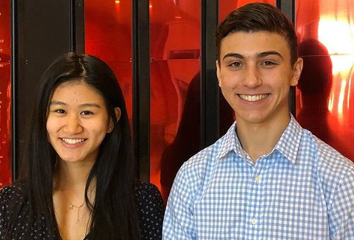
(114, 214)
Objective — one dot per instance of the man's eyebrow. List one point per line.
(234, 55)
(259, 55)
(267, 53)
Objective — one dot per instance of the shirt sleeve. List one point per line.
(341, 213)
(178, 221)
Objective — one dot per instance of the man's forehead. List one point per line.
(256, 44)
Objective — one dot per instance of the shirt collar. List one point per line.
(230, 142)
(288, 144)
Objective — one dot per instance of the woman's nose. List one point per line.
(73, 124)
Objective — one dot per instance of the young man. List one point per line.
(266, 178)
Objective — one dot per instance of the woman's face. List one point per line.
(77, 122)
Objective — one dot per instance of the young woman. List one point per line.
(80, 180)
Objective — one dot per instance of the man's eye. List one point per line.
(268, 63)
(235, 64)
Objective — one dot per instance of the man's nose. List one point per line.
(252, 77)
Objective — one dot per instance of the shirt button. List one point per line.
(253, 221)
(257, 179)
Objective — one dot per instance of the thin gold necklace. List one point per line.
(72, 206)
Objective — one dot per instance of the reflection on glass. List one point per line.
(108, 36)
(315, 85)
(175, 51)
(328, 25)
(5, 95)
(226, 6)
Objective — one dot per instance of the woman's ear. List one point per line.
(118, 113)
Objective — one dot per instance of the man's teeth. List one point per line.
(253, 98)
(72, 141)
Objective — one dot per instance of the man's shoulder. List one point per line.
(330, 158)
(332, 167)
(203, 162)
(206, 156)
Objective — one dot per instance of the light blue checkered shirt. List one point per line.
(303, 189)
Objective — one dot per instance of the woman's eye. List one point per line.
(86, 113)
(61, 111)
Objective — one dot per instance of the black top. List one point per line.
(149, 205)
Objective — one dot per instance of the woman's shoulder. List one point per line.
(148, 195)
(13, 193)
(146, 190)
(150, 210)
(12, 198)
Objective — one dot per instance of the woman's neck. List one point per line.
(72, 213)
(71, 175)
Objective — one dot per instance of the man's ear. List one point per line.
(297, 69)
(218, 71)
(118, 113)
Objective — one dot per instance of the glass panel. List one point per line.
(175, 52)
(5, 94)
(325, 94)
(108, 36)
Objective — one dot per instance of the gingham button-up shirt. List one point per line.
(303, 189)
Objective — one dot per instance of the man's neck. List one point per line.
(259, 139)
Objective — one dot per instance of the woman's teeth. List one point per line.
(73, 141)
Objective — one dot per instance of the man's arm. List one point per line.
(341, 213)
(178, 222)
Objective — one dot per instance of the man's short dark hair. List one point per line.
(256, 17)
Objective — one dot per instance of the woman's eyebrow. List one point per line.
(81, 105)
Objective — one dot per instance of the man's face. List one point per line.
(255, 75)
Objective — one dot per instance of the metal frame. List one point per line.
(40, 33)
(77, 26)
(288, 7)
(14, 64)
(141, 86)
(209, 85)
